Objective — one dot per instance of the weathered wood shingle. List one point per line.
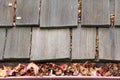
(58, 13)
(50, 44)
(83, 43)
(95, 13)
(6, 12)
(117, 12)
(109, 43)
(18, 43)
(112, 6)
(27, 12)
(2, 41)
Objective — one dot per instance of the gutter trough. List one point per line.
(60, 78)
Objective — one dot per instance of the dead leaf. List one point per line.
(34, 67)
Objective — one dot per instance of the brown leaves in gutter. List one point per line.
(51, 69)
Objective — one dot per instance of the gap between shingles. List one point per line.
(97, 45)
(70, 44)
(30, 42)
(5, 43)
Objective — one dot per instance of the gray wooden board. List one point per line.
(2, 41)
(95, 13)
(27, 12)
(109, 43)
(50, 44)
(83, 43)
(59, 13)
(117, 13)
(112, 6)
(18, 43)
(6, 13)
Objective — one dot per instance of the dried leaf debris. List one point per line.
(74, 69)
(51, 69)
(79, 10)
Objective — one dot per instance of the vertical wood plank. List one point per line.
(117, 12)
(2, 41)
(95, 13)
(83, 43)
(27, 12)
(59, 13)
(117, 44)
(106, 41)
(18, 43)
(109, 43)
(112, 6)
(50, 44)
(6, 13)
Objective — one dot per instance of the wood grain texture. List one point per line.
(83, 43)
(18, 43)
(2, 41)
(109, 43)
(95, 13)
(59, 13)
(117, 13)
(6, 13)
(112, 6)
(48, 44)
(27, 12)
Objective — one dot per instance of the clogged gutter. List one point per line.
(73, 69)
(52, 69)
